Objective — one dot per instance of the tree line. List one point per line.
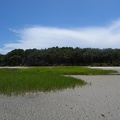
(61, 56)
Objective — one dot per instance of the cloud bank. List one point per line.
(44, 37)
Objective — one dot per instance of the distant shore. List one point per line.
(13, 67)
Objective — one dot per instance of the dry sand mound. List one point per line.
(98, 101)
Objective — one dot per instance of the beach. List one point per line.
(99, 100)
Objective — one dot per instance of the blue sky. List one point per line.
(46, 23)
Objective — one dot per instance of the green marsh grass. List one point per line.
(77, 70)
(19, 81)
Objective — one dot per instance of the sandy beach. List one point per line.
(98, 101)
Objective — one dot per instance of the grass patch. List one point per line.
(76, 70)
(20, 81)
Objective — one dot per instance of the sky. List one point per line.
(28, 24)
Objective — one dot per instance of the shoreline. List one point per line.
(98, 101)
(14, 67)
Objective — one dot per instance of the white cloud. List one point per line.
(44, 37)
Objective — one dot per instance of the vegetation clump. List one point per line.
(34, 79)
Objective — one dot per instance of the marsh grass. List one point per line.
(76, 70)
(19, 81)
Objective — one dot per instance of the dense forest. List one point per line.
(61, 56)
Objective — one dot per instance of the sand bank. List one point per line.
(13, 67)
(109, 68)
(98, 101)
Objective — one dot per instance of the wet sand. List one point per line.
(98, 101)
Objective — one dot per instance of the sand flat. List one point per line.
(98, 101)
